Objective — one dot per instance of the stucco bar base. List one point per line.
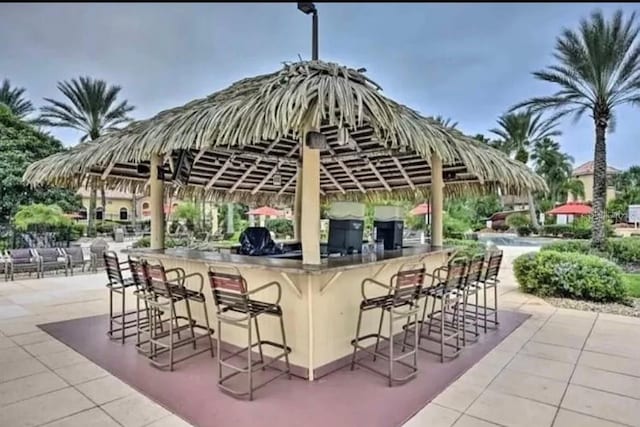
(320, 303)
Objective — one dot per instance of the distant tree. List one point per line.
(519, 132)
(20, 145)
(597, 70)
(92, 108)
(13, 97)
(447, 123)
(554, 166)
(575, 188)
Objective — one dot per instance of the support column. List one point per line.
(230, 227)
(437, 200)
(297, 206)
(156, 188)
(310, 206)
(214, 219)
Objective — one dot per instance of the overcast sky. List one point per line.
(469, 62)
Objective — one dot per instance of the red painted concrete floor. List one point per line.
(343, 398)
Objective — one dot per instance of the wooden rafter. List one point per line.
(404, 173)
(287, 184)
(330, 176)
(218, 174)
(107, 171)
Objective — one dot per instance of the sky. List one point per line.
(468, 62)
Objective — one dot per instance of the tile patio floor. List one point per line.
(563, 368)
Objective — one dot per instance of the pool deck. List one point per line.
(561, 367)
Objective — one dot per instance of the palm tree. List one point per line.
(554, 166)
(91, 108)
(598, 70)
(13, 97)
(519, 132)
(447, 123)
(575, 188)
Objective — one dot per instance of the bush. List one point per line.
(518, 220)
(454, 227)
(624, 250)
(578, 246)
(524, 230)
(78, 231)
(282, 227)
(468, 248)
(145, 242)
(570, 275)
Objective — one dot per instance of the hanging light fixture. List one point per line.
(277, 178)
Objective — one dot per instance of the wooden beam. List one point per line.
(252, 168)
(107, 171)
(218, 174)
(199, 155)
(287, 184)
(264, 181)
(335, 182)
(377, 174)
(404, 173)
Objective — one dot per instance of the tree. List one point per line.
(20, 145)
(519, 132)
(554, 166)
(13, 97)
(447, 123)
(597, 70)
(93, 109)
(575, 188)
(627, 185)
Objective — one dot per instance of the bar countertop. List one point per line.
(328, 265)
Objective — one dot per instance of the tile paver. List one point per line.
(91, 418)
(552, 352)
(573, 419)
(511, 410)
(533, 387)
(434, 415)
(469, 421)
(20, 368)
(601, 404)
(552, 369)
(608, 362)
(106, 389)
(31, 386)
(81, 372)
(607, 381)
(135, 411)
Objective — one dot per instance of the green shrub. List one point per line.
(624, 251)
(145, 242)
(453, 227)
(282, 227)
(578, 246)
(570, 275)
(77, 231)
(518, 220)
(524, 230)
(468, 248)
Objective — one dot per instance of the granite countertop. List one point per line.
(291, 265)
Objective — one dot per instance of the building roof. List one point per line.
(587, 169)
(573, 208)
(422, 209)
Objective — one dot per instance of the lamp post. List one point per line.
(310, 9)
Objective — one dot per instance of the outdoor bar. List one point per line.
(309, 132)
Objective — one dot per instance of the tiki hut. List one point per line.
(245, 143)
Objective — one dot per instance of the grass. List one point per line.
(633, 284)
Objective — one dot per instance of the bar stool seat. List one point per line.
(162, 294)
(231, 295)
(401, 304)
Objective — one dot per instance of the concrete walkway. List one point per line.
(561, 367)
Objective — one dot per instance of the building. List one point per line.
(584, 173)
(119, 206)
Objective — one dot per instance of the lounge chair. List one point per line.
(22, 261)
(75, 258)
(51, 259)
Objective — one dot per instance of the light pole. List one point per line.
(310, 9)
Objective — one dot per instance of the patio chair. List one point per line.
(51, 259)
(471, 288)
(401, 302)
(22, 261)
(142, 292)
(3, 265)
(75, 258)
(97, 250)
(163, 294)
(447, 288)
(235, 307)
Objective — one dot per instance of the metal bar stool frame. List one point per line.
(118, 285)
(471, 288)
(489, 280)
(231, 295)
(447, 284)
(401, 301)
(163, 294)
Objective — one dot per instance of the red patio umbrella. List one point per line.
(266, 211)
(422, 209)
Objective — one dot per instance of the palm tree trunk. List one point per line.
(532, 210)
(598, 238)
(91, 226)
(103, 202)
(134, 209)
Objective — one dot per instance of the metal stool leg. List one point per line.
(255, 321)
(249, 361)
(378, 338)
(284, 343)
(355, 347)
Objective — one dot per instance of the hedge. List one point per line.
(623, 250)
(570, 275)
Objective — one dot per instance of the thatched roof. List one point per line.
(244, 136)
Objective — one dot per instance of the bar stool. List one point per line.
(143, 292)
(489, 280)
(447, 287)
(236, 308)
(118, 285)
(162, 294)
(401, 302)
(471, 288)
